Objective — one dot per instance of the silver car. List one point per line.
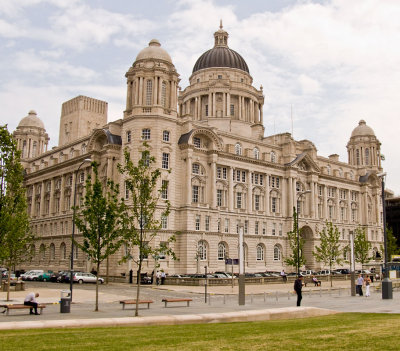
(81, 278)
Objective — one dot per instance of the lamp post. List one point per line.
(299, 195)
(387, 292)
(242, 294)
(73, 227)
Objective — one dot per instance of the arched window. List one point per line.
(163, 94)
(52, 252)
(277, 253)
(367, 156)
(63, 251)
(238, 149)
(149, 92)
(256, 153)
(358, 157)
(260, 252)
(202, 250)
(221, 251)
(42, 252)
(273, 157)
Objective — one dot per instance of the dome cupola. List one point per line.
(220, 55)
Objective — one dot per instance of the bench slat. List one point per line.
(21, 307)
(166, 300)
(133, 302)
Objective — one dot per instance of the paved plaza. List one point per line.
(266, 299)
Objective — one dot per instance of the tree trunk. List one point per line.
(138, 290)
(8, 284)
(97, 288)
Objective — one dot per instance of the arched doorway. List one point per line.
(307, 234)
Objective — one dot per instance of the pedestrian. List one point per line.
(163, 276)
(30, 300)
(359, 285)
(298, 285)
(283, 275)
(367, 285)
(158, 277)
(152, 277)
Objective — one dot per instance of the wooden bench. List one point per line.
(20, 307)
(133, 302)
(176, 300)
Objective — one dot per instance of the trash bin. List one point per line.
(65, 301)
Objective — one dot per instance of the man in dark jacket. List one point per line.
(298, 285)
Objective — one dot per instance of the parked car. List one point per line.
(307, 272)
(324, 272)
(32, 275)
(81, 278)
(13, 278)
(273, 274)
(44, 277)
(343, 270)
(54, 276)
(225, 274)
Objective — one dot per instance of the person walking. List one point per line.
(30, 300)
(163, 276)
(359, 285)
(158, 277)
(298, 285)
(367, 285)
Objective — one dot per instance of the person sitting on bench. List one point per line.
(315, 281)
(30, 300)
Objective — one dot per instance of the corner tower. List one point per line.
(221, 94)
(364, 149)
(152, 83)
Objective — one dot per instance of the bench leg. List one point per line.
(148, 305)
(123, 306)
(165, 304)
(8, 311)
(187, 303)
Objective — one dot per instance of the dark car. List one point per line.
(54, 276)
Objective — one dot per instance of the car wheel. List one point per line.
(101, 281)
(80, 281)
(45, 280)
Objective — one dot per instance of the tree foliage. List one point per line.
(295, 246)
(392, 247)
(99, 220)
(15, 233)
(362, 246)
(140, 223)
(329, 250)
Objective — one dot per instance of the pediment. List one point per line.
(304, 162)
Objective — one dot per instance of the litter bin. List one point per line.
(65, 301)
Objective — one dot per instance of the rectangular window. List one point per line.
(257, 202)
(273, 204)
(164, 222)
(219, 225)
(165, 160)
(256, 228)
(280, 229)
(246, 227)
(330, 211)
(219, 197)
(207, 223)
(165, 135)
(196, 142)
(264, 228)
(197, 223)
(238, 176)
(195, 168)
(195, 194)
(243, 176)
(273, 228)
(164, 190)
(232, 110)
(261, 179)
(320, 190)
(342, 213)
(219, 172)
(206, 110)
(274, 182)
(145, 134)
(226, 229)
(239, 200)
(224, 173)
(128, 136)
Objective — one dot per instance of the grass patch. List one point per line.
(355, 331)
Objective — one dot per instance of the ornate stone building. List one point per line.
(225, 172)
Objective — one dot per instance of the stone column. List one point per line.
(312, 200)
(214, 105)
(228, 104)
(325, 214)
(140, 91)
(230, 188)
(51, 205)
(189, 177)
(33, 207)
(155, 91)
(42, 199)
(337, 205)
(240, 107)
(290, 196)
(62, 205)
(223, 104)
(213, 180)
(249, 193)
(261, 114)
(195, 108)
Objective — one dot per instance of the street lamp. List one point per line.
(387, 292)
(242, 294)
(73, 226)
(299, 195)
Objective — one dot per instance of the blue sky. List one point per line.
(335, 62)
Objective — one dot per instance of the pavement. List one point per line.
(263, 302)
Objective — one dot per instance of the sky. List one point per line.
(323, 65)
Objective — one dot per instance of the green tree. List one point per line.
(296, 246)
(392, 246)
(140, 223)
(362, 246)
(329, 250)
(99, 221)
(15, 233)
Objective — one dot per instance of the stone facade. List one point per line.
(224, 171)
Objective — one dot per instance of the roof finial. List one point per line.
(220, 23)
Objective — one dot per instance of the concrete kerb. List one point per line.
(226, 317)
